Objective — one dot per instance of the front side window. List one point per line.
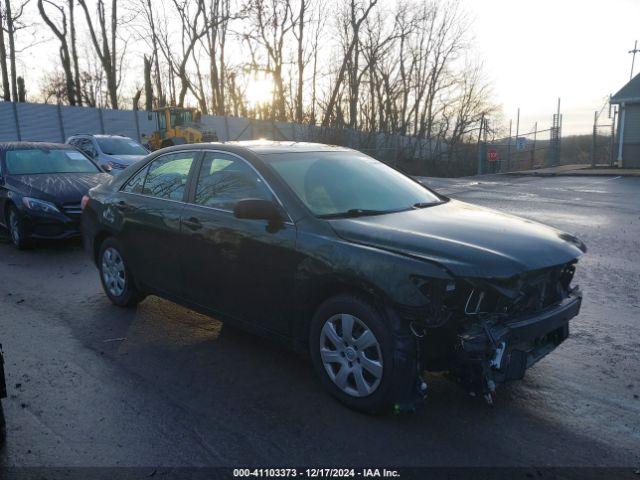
(35, 161)
(224, 180)
(347, 183)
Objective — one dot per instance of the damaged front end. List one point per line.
(489, 331)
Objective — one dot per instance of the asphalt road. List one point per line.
(94, 385)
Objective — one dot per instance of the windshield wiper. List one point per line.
(355, 212)
(425, 204)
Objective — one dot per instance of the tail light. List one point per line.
(84, 202)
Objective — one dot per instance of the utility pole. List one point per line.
(633, 59)
(480, 146)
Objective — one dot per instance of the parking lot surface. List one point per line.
(94, 385)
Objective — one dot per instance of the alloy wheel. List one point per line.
(113, 272)
(351, 355)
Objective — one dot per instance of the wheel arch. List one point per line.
(98, 240)
(5, 213)
(328, 287)
(12, 200)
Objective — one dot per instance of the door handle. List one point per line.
(193, 223)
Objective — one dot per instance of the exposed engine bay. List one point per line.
(484, 332)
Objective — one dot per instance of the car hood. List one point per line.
(57, 188)
(468, 240)
(124, 159)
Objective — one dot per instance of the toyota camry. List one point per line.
(336, 254)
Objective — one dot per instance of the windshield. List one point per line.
(40, 160)
(333, 184)
(120, 146)
(181, 117)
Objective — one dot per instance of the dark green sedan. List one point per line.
(374, 275)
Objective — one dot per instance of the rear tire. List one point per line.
(363, 355)
(117, 281)
(17, 233)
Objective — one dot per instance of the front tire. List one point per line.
(117, 280)
(19, 236)
(363, 355)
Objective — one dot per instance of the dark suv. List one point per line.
(335, 253)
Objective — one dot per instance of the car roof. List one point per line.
(260, 147)
(5, 146)
(101, 135)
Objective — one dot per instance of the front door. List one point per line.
(240, 268)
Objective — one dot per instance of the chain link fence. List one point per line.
(523, 151)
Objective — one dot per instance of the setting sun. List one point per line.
(259, 90)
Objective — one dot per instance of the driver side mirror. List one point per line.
(106, 168)
(256, 209)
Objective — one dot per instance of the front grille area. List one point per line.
(72, 209)
(542, 289)
(526, 293)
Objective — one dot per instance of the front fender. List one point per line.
(332, 266)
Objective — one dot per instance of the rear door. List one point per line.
(240, 268)
(151, 205)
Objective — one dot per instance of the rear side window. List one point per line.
(225, 179)
(166, 177)
(137, 181)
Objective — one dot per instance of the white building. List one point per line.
(628, 134)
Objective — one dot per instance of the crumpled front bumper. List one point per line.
(493, 351)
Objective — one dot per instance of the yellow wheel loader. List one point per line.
(177, 126)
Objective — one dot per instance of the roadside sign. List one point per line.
(521, 144)
(492, 155)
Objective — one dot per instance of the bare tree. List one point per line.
(4, 68)
(60, 31)
(136, 99)
(148, 86)
(74, 51)
(194, 27)
(150, 36)
(217, 16)
(273, 20)
(22, 91)
(398, 67)
(104, 39)
(299, 33)
(12, 17)
(358, 14)
(12, 49)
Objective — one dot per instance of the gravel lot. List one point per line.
(93, 385)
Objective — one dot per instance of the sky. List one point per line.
(533, 52)
(536, 51)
